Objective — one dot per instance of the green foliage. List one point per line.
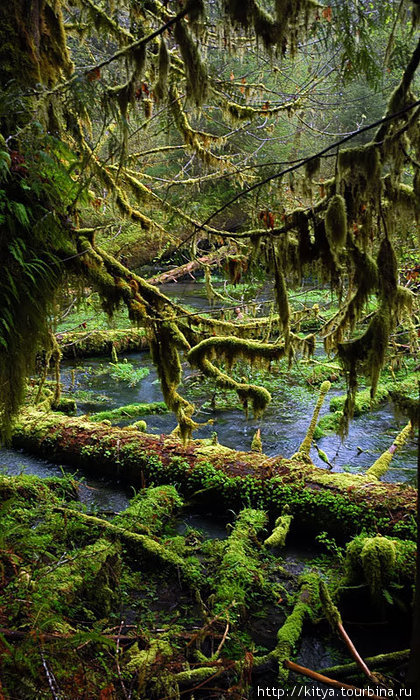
(125, 372)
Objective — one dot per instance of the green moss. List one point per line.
(90, 578)
(289, 634)
(66, 405)
(150, 510)
(240, 569)
(378, 561)
(280, 532)
(380, 467)
(130, 411)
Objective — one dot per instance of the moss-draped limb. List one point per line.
(231, 349)
(380, 467)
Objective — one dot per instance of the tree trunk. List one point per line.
(341, 504)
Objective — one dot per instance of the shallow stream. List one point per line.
(283, 426)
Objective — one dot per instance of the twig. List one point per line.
(327, 681)
(117, 651)
(219, 648)
(210, 623)
(55, 690)
(355, 654)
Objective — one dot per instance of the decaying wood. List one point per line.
(188, 268)
(130, 457)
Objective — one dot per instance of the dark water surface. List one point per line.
(283, 425)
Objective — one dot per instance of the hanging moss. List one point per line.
(360, 169)
(388, 269)
(160, 88)
(196, 73)
(230, 350)
(336, 223)
(365, 271)
(272, 31)
(164, 346)
(312, 168)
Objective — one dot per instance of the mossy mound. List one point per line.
(97, 343)
(130, 411)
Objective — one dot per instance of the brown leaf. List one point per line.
(93, 74)
(327, 13)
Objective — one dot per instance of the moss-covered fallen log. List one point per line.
(340, 504)
(141, 545)
(380, 662)
(91, 343)
(132, 410)
(150, 510)
(289, 633)
(240, 568)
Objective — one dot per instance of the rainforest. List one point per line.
(209, 349)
